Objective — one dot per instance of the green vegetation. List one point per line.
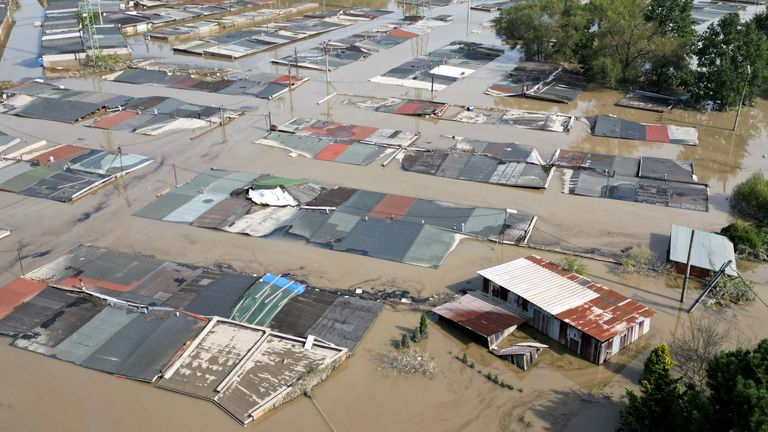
(749, 241)
(732, 58)
(750, 198)
(5, 84)
(649, 44)
(421, 331)
(641, 260)
(730, 291)
(734, 397)
(574, 265)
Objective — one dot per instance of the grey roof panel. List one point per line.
(145, 345)
(220, 297)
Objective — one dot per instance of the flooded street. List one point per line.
(561, 392)
(19, 60)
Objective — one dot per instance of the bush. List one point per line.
(574, 265)
(464, 358)
(750, 198)
(405, 342)
(641, 260)
(732, 290)
(749, 241)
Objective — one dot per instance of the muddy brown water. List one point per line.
(561, 392)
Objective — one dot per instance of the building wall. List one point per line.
(572, 338)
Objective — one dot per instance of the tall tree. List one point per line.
(660, 397)
(669, 65)
(549, 30)
(732, 59)
(738, 389)
(622, 44)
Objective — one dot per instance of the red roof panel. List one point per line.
(17, 292)
(331, 152)
(392, 206)
(60, 153)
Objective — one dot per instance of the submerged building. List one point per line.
(588, 318)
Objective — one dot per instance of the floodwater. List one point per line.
(561, 392)
(19, 60)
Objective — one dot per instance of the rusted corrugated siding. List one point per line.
(339, 130)
(110, 122)
(478, 316)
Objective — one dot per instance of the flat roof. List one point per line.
(710, 250)
(590, 307)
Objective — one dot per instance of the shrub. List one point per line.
(424, 326)
(464, 358)
(749, 241)
(574, 265)
(416, 335)
(732, 290)
(405, 342)
(750, 198)
(641, 260)
(471, 365)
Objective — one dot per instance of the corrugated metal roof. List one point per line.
(591, 308)
(478, 316)
(17, 292)
(710, 251)
(539, 285)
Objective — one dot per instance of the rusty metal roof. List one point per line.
(592, 308)
(478, 316)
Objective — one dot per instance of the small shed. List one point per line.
(481, 317)
(708, 253)
(522, 354)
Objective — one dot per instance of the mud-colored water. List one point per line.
(561, 392)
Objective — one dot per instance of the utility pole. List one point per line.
(18, 254)
(687, 267)
(741, 102)
(175, 178)
(223, 129)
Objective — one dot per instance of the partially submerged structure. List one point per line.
(247, 370)
(492, 321)
(614, 127)
(647, 180)
(262, 85)
(522, 355)
(548, 121)
(147, 115)
(648, 101)
(589, 319)
(144, 319)
(337, 142)
(442, 67)
(65, 44)
(253, 40)
(64, 173)
(507, 164)
(708, 253)
(386, 226)
(359, 46)
(544, 81)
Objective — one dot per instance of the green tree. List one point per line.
(405, 341)
(732, 58)
(669, 64)
(424, 326)
(660, 397)
(622, 43)
(416, 334)
(749, 241)
(549, 30)
(738, 389)
(750, 198)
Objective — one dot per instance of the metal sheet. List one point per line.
(346, 321)
(220, 297)
(32, 314)
(380, 238)
(145, 345)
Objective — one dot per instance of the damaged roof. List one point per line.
(592, 308)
